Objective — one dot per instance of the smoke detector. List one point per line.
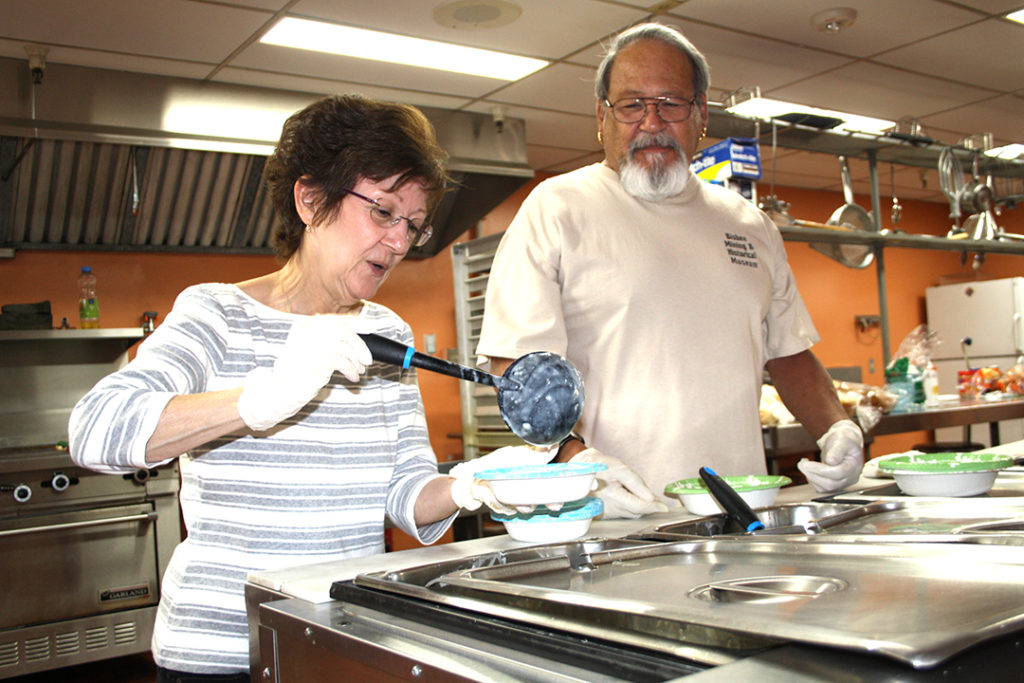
(834, 20)
(475, 14)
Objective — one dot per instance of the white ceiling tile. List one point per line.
(269, 5)
(875, 90)
(325, 86)
(203, 32)
(1001, 41)
(283, 60)
(106, 60)
(545, 29)
(879, 25)
(1002, 116)
(729, 55)
(993, 6)
(561, 87)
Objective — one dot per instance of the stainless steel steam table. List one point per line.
(300, 633)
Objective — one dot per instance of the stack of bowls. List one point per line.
(559, 491)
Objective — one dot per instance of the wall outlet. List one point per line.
(867, 322)
(430, 343)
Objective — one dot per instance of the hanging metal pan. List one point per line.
(852, 217)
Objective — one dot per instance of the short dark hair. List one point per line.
(653, 31)
(339, 140)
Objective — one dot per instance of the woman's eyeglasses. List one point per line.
(415, 232)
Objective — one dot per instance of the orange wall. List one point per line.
(421, 291)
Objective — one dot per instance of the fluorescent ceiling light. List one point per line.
(304, 34)
(1012, 151)
(766, 108)
(1017, 16)
(226, 120)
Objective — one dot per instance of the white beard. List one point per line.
(658, 180)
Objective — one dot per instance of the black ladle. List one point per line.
(730, 501)
(540, 395)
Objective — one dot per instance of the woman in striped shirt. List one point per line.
(293, 444)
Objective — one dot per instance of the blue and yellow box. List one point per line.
(730, 158)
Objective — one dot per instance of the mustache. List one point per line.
(644, 140)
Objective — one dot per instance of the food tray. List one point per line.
(907, 519)
(916, 603)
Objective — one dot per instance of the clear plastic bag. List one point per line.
(918, 347)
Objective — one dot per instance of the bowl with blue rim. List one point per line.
(548, 484)
(946, 474)
(546, 525)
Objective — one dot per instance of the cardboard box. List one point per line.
(730, 158)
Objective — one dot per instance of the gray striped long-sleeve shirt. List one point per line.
(314, 488)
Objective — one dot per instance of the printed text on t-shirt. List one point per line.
(741, 251)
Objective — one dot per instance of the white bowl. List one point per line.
(552, 526)
(549, 484)
(757, 490)
(946, 474)
(937, 484)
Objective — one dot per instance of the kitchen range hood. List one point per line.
(96, 159)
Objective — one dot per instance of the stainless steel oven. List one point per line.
(82, 553)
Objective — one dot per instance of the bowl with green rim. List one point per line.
(946, 474)
(758, 490)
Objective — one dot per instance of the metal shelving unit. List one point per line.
(483, 429)
(896, 149)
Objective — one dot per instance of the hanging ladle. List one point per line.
(540, 395)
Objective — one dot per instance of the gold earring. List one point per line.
(600, 137)
(309, 229)
(702, 134)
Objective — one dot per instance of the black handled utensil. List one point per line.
(540, 396)
(389, 351)
(730, 501)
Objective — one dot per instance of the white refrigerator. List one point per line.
(990, 313)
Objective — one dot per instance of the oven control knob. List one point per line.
(22, 492)
(140, 476)
(60, 482)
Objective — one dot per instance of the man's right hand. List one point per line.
(624, 493)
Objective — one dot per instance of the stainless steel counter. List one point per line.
(300, 633)
(793, 438)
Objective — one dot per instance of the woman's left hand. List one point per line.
(470, 493)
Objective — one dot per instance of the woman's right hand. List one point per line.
(316, 347)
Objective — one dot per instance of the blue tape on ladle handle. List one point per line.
(730, 500)
(408, 358)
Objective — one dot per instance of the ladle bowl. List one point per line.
(540, 396)
(544, 399)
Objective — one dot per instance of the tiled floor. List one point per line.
(130, 669)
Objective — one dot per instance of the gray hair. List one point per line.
(652, 31)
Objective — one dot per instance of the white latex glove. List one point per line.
(842, 456)
(470, 493)
(315, 348)
(624, 493)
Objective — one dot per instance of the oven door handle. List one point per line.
(145, 517)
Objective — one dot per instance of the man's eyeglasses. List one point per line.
(634, 109)
(417, 233)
